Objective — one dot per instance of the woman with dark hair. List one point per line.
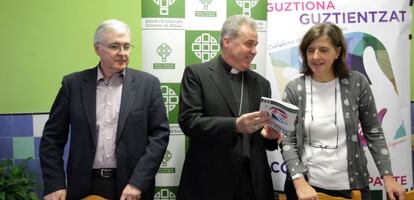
(323, 153)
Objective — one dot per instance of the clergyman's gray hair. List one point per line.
(110, 24)
(233, 24)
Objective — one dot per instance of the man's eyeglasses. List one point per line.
(116, 47)
(316, 143)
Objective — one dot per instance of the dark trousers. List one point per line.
(104, 184)
(290, 191)
(245, 189)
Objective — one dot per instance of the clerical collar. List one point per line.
(234, 71)
(229, 68)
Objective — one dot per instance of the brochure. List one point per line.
(283, 114)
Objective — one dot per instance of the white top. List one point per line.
(326, 155)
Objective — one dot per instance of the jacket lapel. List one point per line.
(88, 97)
(222, 82)
(129, 89)
(254, 92)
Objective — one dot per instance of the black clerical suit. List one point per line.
(215, 159)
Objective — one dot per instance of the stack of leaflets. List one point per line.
(283, 114)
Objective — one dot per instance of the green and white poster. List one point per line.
(178, 33)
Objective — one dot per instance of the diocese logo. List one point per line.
(164, 169)
(205, 12)
(205, 47)
(165, 193)
(247, 6)
(170, 94)
(163, 51)
(164, 5)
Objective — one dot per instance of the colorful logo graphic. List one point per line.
(399, 133)
(279, 115)
(357, 43)
(278, 118)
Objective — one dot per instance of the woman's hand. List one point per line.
(304, 190)
(394, 190)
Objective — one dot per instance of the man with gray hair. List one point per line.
(218, 112)
(115, 120)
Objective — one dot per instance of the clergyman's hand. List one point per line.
(251, 122)
(271, 134)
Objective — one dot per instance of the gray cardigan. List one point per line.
(358, 106)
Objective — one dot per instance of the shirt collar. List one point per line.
(100, 75)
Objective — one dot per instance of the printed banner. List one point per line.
(175, 34)
(377, 34)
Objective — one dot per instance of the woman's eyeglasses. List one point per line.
(317, 143)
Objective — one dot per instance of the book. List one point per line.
(282, 114)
